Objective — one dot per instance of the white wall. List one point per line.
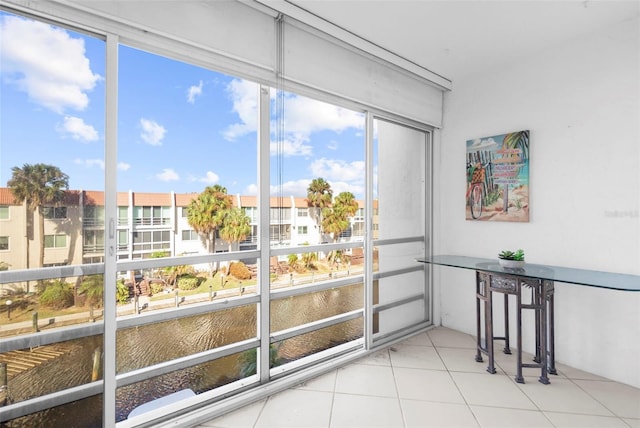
(581, 101)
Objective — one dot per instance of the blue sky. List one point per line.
(180, 127)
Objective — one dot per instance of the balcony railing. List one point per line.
(152, 221)
(93, 222)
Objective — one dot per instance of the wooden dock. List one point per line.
(23, 360)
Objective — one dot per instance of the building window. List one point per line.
(152, 240)
(302, 230)
(189, 235)
(184, 212)
(93, 216)
(93, 241)
(123, 240)
(303, 212)
(151, 215)
(55, 241)
(54, 213)
(123, 216)
(4, 243)
(4, 212)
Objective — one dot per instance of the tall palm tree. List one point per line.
(319, 196)
(206, 213)
(38, 185)
(336, 218)
(236, 226)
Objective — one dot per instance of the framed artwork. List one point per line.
(498, 178)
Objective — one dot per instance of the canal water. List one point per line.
(143, 346)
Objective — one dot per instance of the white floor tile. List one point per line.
(424, 414)
(427, 385)
(562, 395)
(570, 420)
(445, 337)
(573, 373)
(417, 357)
(366, 380)
(421, 339)
(633, 423)
(495, 390)
(497, 417)
(461, 360)
(296, 408)
(325, 382)
(433, 380)
(378, 358)
(622, 400)
(245, 417)
(353, 411)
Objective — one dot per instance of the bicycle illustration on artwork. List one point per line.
(476, 174)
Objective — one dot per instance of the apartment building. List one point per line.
(147, 223)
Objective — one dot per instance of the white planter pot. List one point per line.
(512, 264)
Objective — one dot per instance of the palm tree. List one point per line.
(207, 212)
(319, 196)
(236, 226)
(336, 218)
(38, 185)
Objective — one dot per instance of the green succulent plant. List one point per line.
(511, 255)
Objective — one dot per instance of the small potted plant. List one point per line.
(511, 259)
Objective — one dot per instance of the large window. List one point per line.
(55, 241)
(54, 212)
(168, 263)
(151, 241)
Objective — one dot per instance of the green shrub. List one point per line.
(239, 270)
(156, 287)
(122, 292)
(188, 282)
(57, 295)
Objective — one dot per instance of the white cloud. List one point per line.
(47, 63)
(244, 95)
(292, 188)
(251, 190)
(167, 174)
(122, 166)
(303, 116)
(294, 145)
(90, 163)
(152, 132)
(210, 178)
(193, 92)
(334, 170)
(341, 186)
(78, 130)
(480, 144)
(306, 116)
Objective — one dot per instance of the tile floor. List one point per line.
(432, 380)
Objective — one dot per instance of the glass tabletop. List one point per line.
(592, 278)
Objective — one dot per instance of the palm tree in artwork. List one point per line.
(206, 213)
(236, 226)
(319, 196)
(38, 185)
(515, 141)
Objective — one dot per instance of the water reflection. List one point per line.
(151, 344)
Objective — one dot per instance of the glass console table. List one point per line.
(491, 278)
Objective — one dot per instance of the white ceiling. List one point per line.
(454, 38)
